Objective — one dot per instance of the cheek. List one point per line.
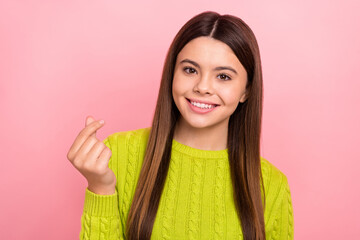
(179, 86)
(175, 86)
(230, 95)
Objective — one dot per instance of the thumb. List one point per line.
(89, 119)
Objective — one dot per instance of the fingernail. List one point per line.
(101, 121)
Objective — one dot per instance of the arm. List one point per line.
(100, 218)
(280, 215)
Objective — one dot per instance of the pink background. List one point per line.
(63, 60)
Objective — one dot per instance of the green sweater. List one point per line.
(197, 200)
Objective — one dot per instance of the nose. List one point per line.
(204, 85)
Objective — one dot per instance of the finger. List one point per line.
(83, 154)
(83, 136)
(104, 157)
(90, 119)
(93, 153)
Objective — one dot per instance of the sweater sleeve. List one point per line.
(281, 220)
(100, 218)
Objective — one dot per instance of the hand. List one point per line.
(90, 157)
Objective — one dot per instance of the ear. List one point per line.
(243, 97)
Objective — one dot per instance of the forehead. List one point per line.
(208, 51)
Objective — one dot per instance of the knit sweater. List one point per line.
(197, 199)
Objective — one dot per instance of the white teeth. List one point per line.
(202, 105)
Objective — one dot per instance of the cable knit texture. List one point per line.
(197, 200)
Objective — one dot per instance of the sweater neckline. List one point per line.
(199, 153)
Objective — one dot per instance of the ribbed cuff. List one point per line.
(101, 205)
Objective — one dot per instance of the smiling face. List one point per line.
(208, 71)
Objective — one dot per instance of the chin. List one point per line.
(199, 124)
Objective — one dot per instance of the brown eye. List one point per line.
(224, 76)
(191, 70)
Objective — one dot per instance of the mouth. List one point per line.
(215, 105)
(201, 108)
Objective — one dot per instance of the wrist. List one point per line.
(102, 190)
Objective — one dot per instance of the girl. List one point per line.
(196, 173)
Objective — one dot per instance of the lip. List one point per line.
(200, 110)
(200, 101)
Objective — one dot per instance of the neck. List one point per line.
(207, 138)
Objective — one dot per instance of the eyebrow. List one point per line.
(217, 68)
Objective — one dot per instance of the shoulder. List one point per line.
(270, 170)
(130, 138)
(271, 174)
(277, 190)
(275, 182)
(127, 150)
(278, 214)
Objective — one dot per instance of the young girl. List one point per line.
(196, 173)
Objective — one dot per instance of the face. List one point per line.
(208, 71)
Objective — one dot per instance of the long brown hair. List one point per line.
(244, 129)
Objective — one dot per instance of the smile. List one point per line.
(200, 107)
